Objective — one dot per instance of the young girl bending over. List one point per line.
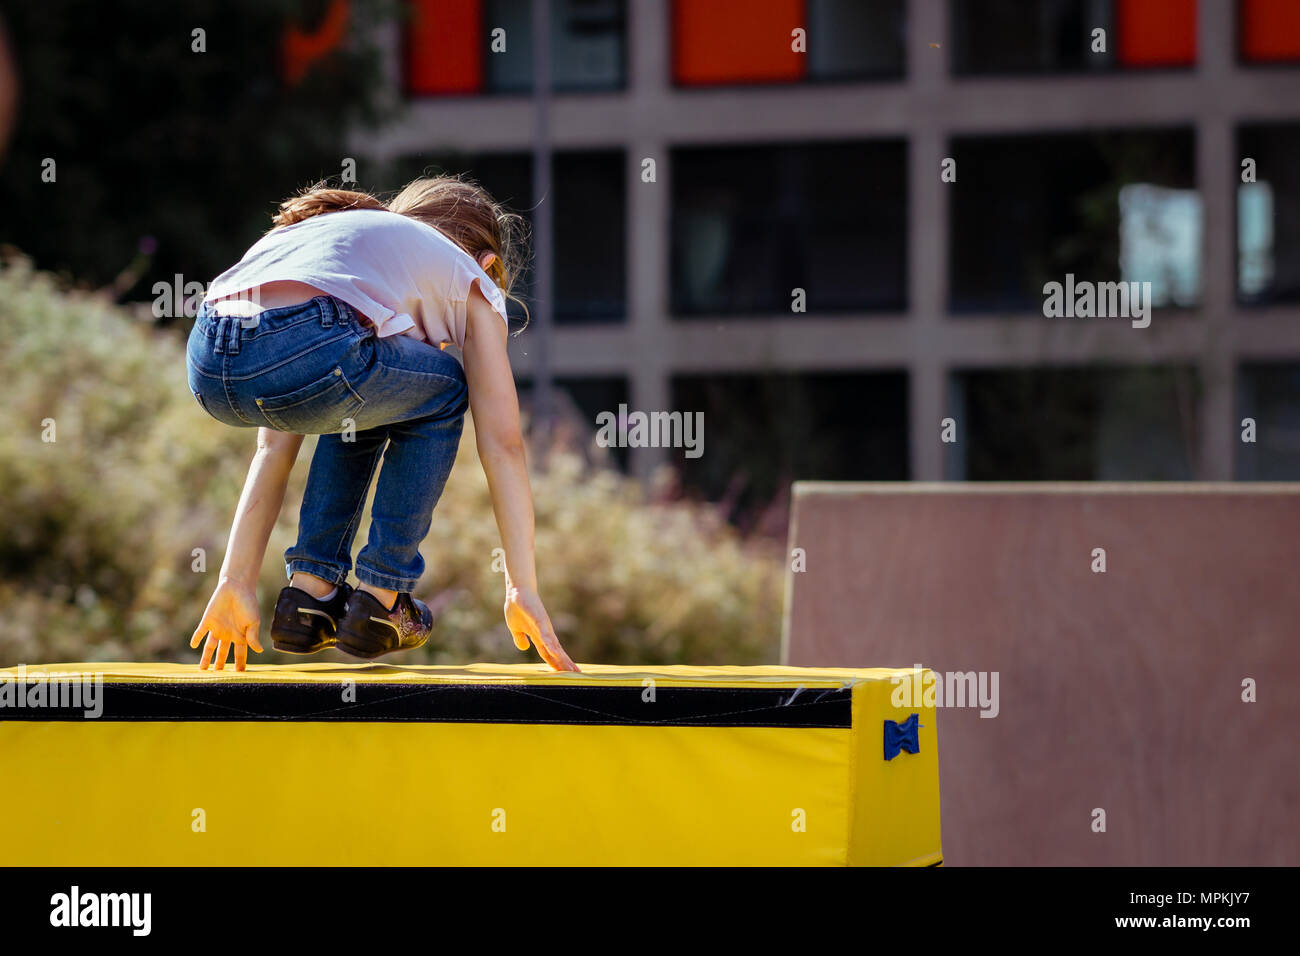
(334, 324)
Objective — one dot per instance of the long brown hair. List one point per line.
(456, 206)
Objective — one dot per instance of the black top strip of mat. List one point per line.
(627, 705)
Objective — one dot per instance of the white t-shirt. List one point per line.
(404, 276)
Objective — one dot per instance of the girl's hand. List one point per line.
(529, 623)
(231, 619)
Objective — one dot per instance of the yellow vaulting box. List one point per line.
(333, 764)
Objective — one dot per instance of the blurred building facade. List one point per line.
(797, 265)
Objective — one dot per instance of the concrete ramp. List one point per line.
(1120, 691)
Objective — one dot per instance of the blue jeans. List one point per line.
(315, 368)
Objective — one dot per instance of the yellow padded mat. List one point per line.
(312, 764)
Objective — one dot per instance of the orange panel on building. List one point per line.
(1270, 30)
(1156, 32)
(444, 47)
(301, 48)
(736, 41)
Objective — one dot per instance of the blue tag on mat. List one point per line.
(902, 736)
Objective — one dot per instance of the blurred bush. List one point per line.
(101, 525)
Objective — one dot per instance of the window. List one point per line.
(724, 42)
(763, 431)
(577, 403)
(1159, 236)
(450, 46)
(1076, 424)
(1028, 210)
(1268, 31)
(1270, 394)
(750, 224)
(1268, 215)
(590, 223)
(1057, 36)
(590, 236)
(849, 39)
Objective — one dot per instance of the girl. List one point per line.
(334, 324)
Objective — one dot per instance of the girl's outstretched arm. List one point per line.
(232, 618)
(495, 407)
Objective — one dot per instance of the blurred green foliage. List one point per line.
(100, 525)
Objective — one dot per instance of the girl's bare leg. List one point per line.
(382, 595)
(316, 587)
